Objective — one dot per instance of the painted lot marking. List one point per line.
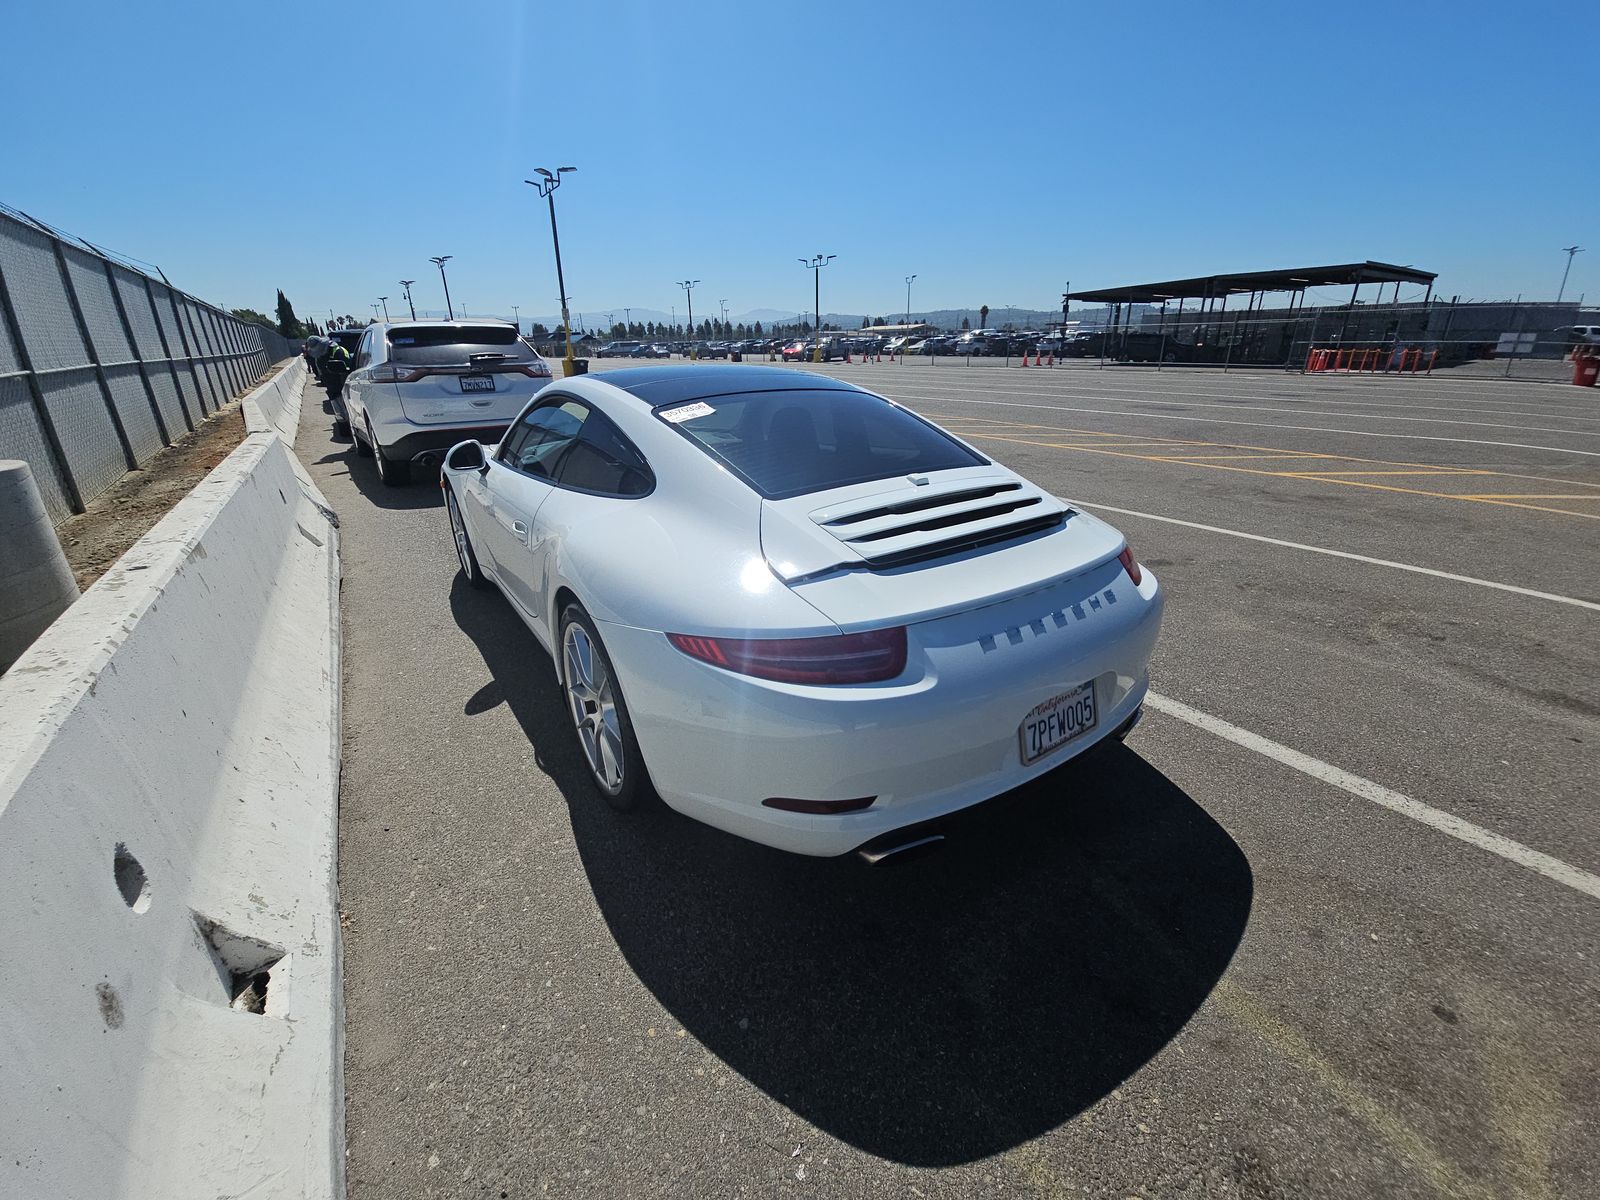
(980, 425)
(1365, 433)
(1447, 823)
(1298, 476)
(1553, 597)
(1460, 400)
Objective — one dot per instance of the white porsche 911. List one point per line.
(796, 610)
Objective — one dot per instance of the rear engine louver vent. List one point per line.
(928, 523)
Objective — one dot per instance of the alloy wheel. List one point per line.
(458, 531)
(592, 699)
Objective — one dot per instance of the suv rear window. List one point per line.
(455, 345)
(791, 443)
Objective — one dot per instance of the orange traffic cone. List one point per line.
(1024, 360)
(1052, 361)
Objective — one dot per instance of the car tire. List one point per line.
(466, 556)
(390, 474)
(610, 751)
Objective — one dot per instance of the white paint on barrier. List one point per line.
(169, 755)
(1425, 814)
(1553, 597)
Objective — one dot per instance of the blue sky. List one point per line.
(997, 151)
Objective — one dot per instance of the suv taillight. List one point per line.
(870, 657)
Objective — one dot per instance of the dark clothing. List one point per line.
(335, 367)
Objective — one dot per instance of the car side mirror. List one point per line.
(468, 456)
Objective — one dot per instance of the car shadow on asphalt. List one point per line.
(422, 492)
(931, 1013)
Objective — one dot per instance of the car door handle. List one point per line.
(520, 528)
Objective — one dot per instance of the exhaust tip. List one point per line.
(877, 852)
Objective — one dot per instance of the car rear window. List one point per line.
(791, 443)
(455, 345)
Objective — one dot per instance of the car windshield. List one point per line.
(791, 443)
(455, 345)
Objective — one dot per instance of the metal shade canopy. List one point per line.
(1292, 279)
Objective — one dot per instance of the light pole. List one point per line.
(516, 318)
(384, 300)
(725, 331)
(627, 319)
(406, 283)
(440, 262)
(547, 184)
(688, 294)
(374, 309)
(1571, 250)
(815, 265)
(906, 337)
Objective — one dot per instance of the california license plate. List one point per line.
(1056, 722)
(477, 383)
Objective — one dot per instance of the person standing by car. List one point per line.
(314, 349)
(335, 367)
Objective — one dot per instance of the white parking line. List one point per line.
(1162, 399)
(1109, 391)
(1474, 835)
(1365, 433)
(1361, 558)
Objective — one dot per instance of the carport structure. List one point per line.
(1212, 292)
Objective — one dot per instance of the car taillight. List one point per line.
(1130, 566)
(870, 657)
(390, 373)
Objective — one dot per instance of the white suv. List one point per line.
(417, 388)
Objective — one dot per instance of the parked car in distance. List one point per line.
(750, 614)
(419, 387)
(795, 351)
(1137, 345)
(617, 350)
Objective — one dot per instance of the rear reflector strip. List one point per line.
(818, 807)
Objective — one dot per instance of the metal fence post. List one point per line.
(166, 349)
(94, 355)
(133, 345)
(183, 337)
(41, 410)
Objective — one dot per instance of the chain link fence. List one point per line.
(101, 365)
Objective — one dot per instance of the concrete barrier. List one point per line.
(170, 993)
(275, 405)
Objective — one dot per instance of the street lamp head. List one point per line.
(539, 171)
(564, 170)
(441, 259)
(405, 283)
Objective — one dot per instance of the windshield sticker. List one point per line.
(687, 412)
(402, 341)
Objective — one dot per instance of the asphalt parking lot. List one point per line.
(1325, 926)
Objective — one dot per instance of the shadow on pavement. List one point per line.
(931, 1013)
(422, 492)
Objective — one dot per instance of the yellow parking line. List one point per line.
(1267, 452)
(1318, 474)
(1298, 477)
(1219, 457)
(1533, 496)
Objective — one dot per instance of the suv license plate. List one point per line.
(477, 383)
(1056, 722)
